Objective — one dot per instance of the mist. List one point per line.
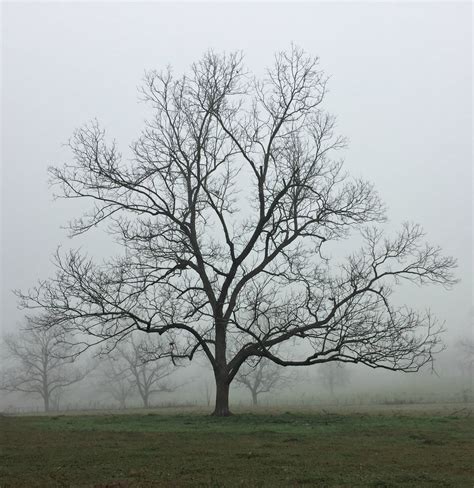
(400, 87)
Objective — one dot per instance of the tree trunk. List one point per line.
(222, 398)
(254, 398)
(221, 408)
(46, 403)
(45, 393)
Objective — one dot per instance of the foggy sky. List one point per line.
(400, 87)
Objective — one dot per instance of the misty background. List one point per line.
(400, 87)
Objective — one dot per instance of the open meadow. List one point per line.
(377, 447)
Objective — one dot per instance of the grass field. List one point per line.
(247, 450)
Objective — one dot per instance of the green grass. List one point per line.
(279, 450)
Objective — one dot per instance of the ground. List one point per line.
(338, 448)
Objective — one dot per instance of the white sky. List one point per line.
(401, 87)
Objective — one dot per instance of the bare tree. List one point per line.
(333, 375)
(208, 392)
(115, 380)
(40, 361)
(225, 208)
(146, 368)
(465, 357)
(261, 376)
(136, 366)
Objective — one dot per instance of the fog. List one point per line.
(401, 89)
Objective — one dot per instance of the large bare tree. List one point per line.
(224, 208)
(40, 361)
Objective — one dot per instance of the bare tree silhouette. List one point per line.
(333, 375)
(115, 380)
(261, 376)
(465, 357)
(137, 366)
(224, 210)
(40, 361)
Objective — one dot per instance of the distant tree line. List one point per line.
(42, 362)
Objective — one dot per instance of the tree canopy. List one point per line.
(224, 210)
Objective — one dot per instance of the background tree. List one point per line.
(333, 375)
(465, 357)
(40, 360)
(136, 366)
(224, 210)
(261, 376)
(208, 392)
(146, 365)
(115, 380)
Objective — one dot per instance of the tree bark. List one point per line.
(222, 397)
(221, 408)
